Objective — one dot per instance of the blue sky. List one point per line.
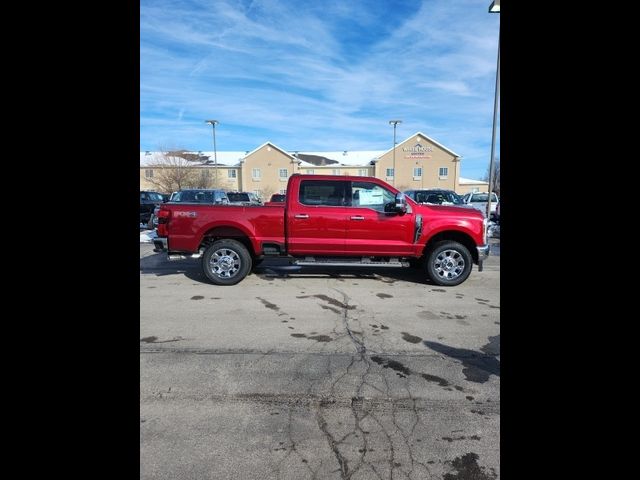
(318, 76)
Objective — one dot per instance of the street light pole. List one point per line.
(394, 123)
(213, 123)
(494, 8)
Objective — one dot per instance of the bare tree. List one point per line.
(174, 171)
(496, 176)
(264, 194)
(202, 179)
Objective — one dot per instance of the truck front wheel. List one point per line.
(449, 263)
(226, 262)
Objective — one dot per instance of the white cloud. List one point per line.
(291, 73)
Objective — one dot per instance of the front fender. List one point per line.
(473, 229)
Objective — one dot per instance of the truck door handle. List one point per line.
(301, 215)
(357, 217)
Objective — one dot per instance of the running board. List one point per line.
(364, 262)
(182, 256)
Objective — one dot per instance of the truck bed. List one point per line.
(191, 222)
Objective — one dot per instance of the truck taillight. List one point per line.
(164, 215)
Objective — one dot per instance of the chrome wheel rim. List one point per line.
(449, 264)
(224, 263)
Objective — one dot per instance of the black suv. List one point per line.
(148, 202)
(435, 196)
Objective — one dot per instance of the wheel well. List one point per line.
(454, 236)
(226, 232)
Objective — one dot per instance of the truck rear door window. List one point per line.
(323, 192)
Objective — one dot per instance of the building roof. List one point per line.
(428, 138)
(306, 159)
(224, 159)
(344, 158)
(471, 181)
(270, 144)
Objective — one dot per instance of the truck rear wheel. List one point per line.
(226, 262)
(449, 263)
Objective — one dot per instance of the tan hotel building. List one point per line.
(420, 162)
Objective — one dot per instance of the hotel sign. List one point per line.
(417, 151)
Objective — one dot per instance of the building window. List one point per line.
(390, 172)
(363, 172)
(335, 171)
(417, 172)
(148, 173)
(309, 171)
(255, 174)
(231, 173)
(283, 191)
(283, 173)
(443, 172)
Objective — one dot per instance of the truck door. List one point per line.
(371, 230)
(316, 218)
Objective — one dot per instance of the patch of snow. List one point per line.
(148, 236)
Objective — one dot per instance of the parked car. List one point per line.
(277, 200)
(479, 201)
(436, 196)
(200, 195)
(243, 198)
(148, 202)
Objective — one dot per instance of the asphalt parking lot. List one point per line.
(320, 374)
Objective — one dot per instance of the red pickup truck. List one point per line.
(328, 221)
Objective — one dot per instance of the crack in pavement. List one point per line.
(344, 466)
(360, 347)
(386, 425)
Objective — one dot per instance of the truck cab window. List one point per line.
(323, 193)
(370, 195)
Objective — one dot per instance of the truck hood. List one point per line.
(467, 212)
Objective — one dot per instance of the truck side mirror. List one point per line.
(401, 203)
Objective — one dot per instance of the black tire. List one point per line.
(226, 262)
(449, 263)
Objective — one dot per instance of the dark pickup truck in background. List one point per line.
(328, 221)
(148, 202)
(193, 195)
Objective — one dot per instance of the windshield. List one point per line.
(483, 197)
(193, 196)
(155, 197)
(439, 198)
(238, 197)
